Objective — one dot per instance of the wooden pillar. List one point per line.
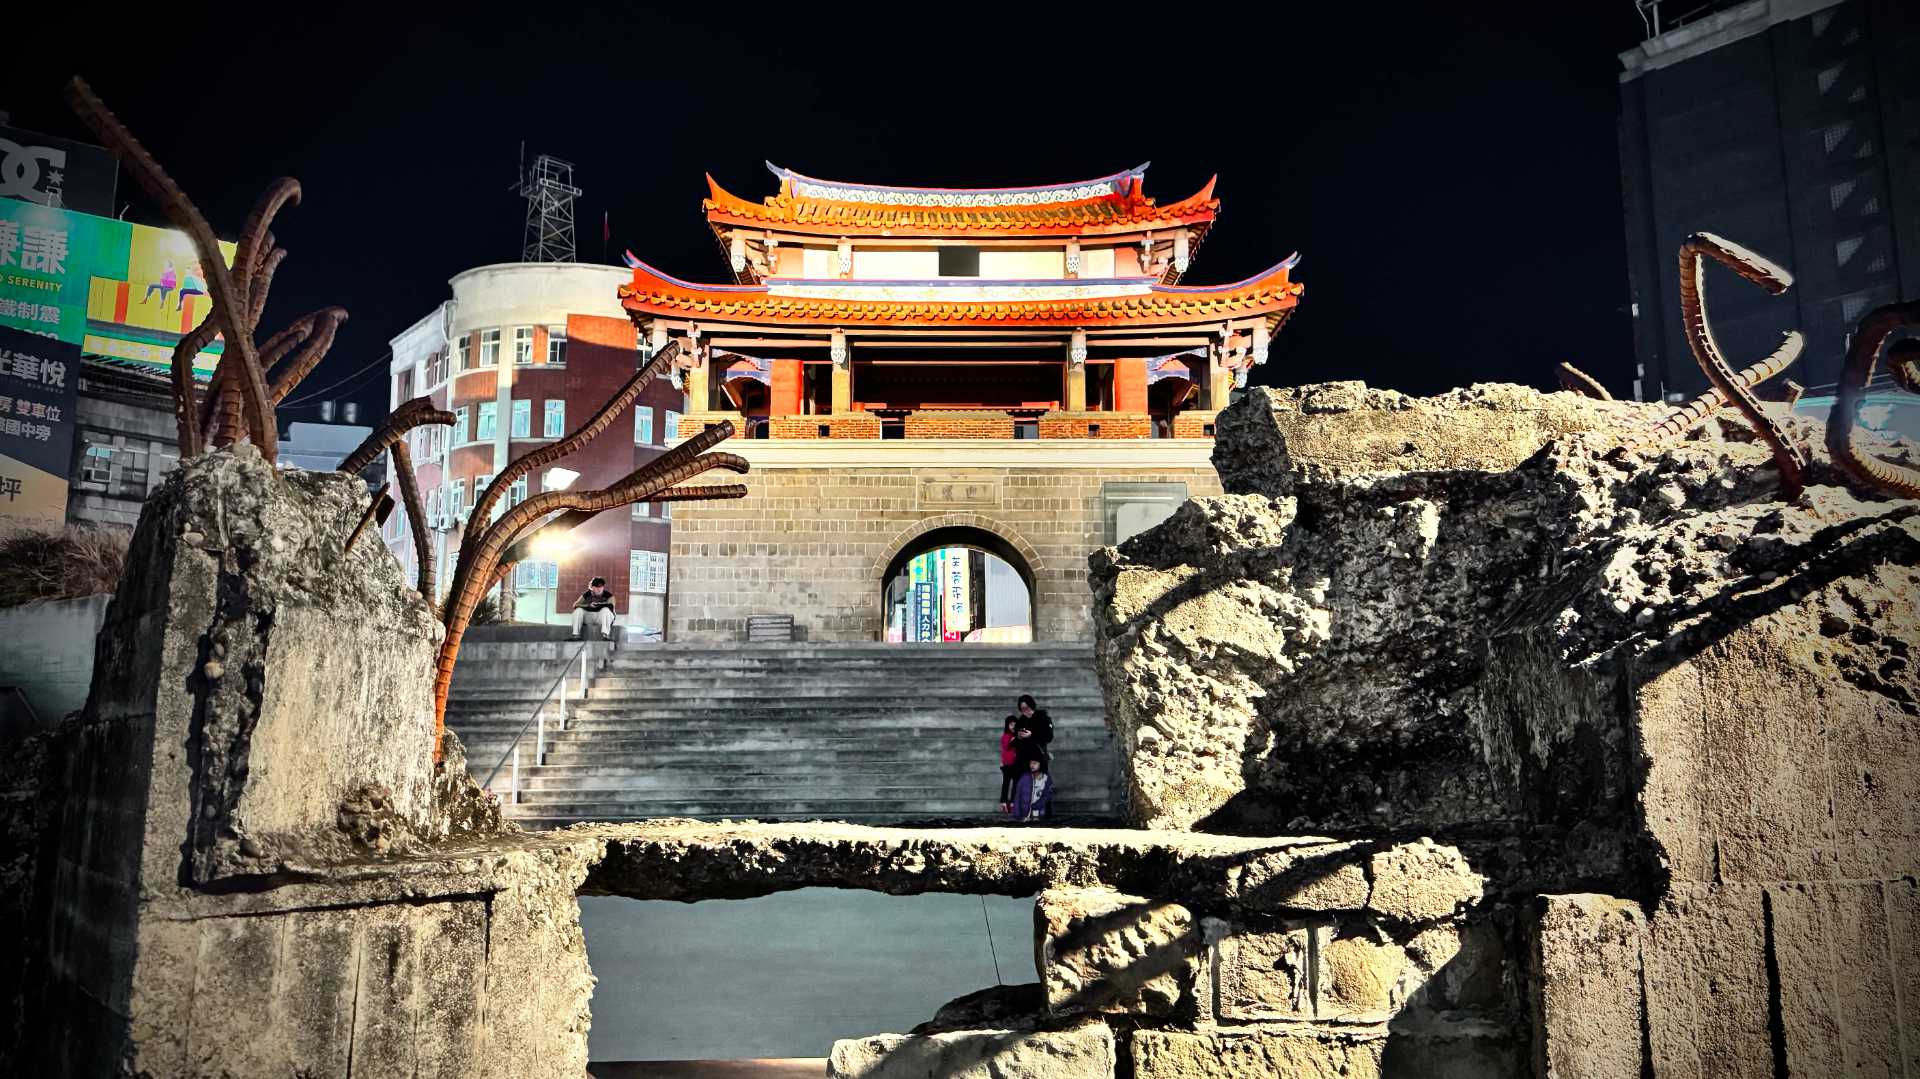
(1076, 395)
(1130, 384)
(1076, 399)
(784, 393)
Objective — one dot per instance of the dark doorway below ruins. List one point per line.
(773, 981)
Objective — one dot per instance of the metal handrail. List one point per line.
(538, 720)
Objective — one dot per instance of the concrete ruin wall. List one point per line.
(1677, 709)
(240, 859)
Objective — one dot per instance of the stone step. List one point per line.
(644, 771)
(823, 808)
(666, 720)
(776, 741)
(845, 684)
(983, 818)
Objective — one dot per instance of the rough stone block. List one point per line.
(1084, 1052)
(1286, 1053)
(1423, 882)
(1267, 974)
(1325, 879)
(1097, 950)
(1364, 976)
(1839, 1008)
(1585, 980)
(1707, 983)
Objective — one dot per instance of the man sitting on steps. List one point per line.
(597, 601)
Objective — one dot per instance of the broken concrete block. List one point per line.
(1260, 1053)
(1098, 950)
(1585, 982)
(1082, 1052)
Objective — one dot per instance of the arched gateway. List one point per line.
(958, 582)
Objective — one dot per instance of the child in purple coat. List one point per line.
(1033, 795)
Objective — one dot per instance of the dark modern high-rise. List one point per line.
(1791, 127)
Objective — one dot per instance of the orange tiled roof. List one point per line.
(1111, 204)
(1271, 293)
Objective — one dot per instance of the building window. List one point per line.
(522, 345)
(462, 352)
(96, 466)
(403, 386)
(959, 262)
(460, 426)
(489, 348)
(435, 369)
(458, 502)
(484, 429)
(643, 425)
(666, 511)
(554, 424)
(523, 419)
(646, 571)
(670, 422)
(641, 510)
(1026, 428)
(518, 492)
(556, 345)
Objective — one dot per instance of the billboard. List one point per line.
(112, 287)
(39, 386)
(56, 172)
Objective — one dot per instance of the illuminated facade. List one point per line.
(522, 354)
(1015, 370)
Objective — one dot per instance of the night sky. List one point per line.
(1448, 172)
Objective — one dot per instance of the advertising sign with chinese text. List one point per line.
(959, 593)
(113, 288)
(39, 385)
(56, 172)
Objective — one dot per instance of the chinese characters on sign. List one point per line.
(39, 388)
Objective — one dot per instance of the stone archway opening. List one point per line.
(958, 584)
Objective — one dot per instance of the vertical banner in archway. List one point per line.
(958, 598)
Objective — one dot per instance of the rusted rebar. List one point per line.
(1862, 355)
(545, 455)
(1690, 415)
(1694, 251)
(477, 567)
(1577, 381)
(413, 414)
(381, 505)
(416, 520)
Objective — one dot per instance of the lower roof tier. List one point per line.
(1271, 293)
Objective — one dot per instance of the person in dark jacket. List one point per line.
(1033, 733)
(597, 602)
(1033, 795)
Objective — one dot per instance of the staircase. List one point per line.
(870, 733)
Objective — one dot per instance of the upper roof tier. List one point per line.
(1110, 205)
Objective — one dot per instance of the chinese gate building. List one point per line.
(967, 388)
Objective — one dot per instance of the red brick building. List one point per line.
(522, 354)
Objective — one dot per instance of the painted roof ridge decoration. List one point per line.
(1110, 205)
(1116, 185)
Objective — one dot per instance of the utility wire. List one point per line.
(990, 948)
(311, 394)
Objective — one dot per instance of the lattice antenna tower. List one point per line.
(547, 185)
